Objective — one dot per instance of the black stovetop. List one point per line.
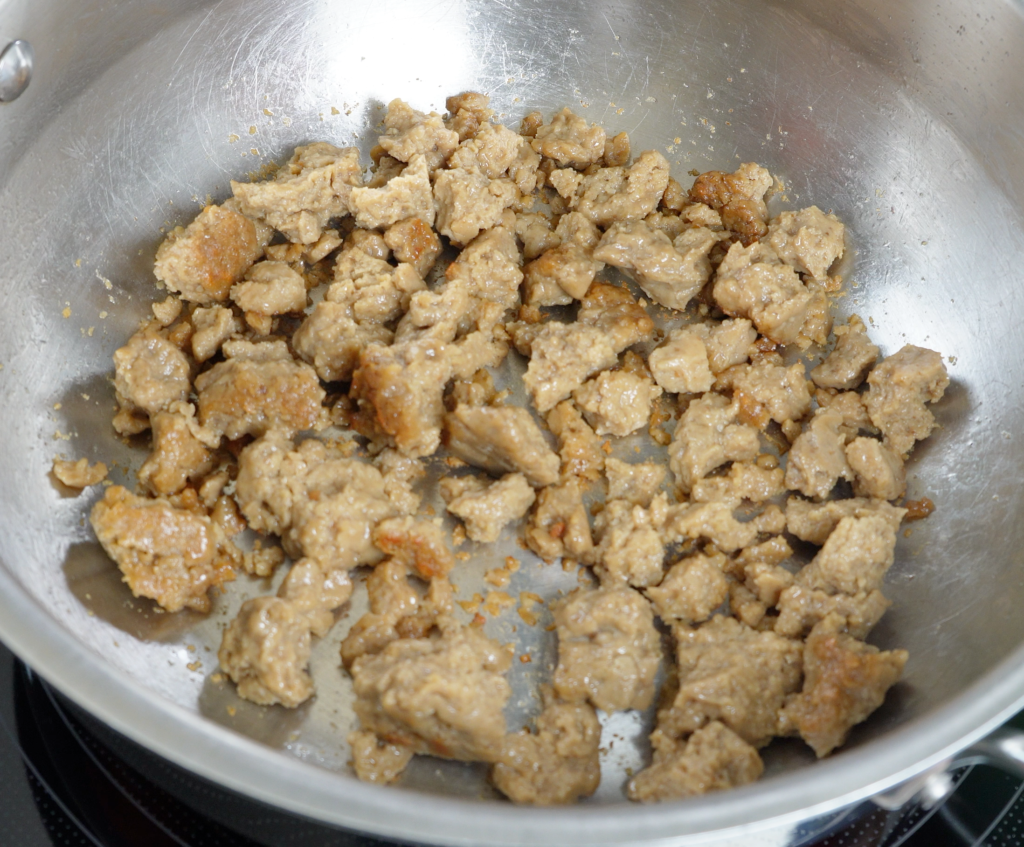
(66, 781)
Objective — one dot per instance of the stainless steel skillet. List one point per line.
(906, 119)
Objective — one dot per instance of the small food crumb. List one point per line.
(498, 577)
(79, 474)
(529, 617)
(918, 509)
(497, 602)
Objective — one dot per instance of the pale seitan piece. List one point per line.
(212, 326)
(615, 311)
(608, 649)
(558, 526)
(574, 228)
(708, 436)
(405, 195)
(637, 482)
(845, 680)
(167, 549)
(692, 590)
(630, 549)
(80, 473)
(467, 112)
(400, 477)
(854, 558)
(524, 170)
(419, 545)
(399, 392)
(489, 268)
(570, 141)
(717, 522)
(150, 373)
(680, 365)
(485, 506)
(374, 291)
(560, 275)
(670, 273)
(744, 481)
(877, 471)
(409, 133)
(414, 241)
(331, 341)
(265, 649)
(817, 460)
(800, 608)
(468, 203)
(556, 764)
(814, 522)
(737, 197)
(850, 405)
(712, 759)
(310, 189)
(345, 499)
(617, 402)
(562, 356)
(764, 580)
(752, 283)
(322, 504)
(491, 151)
(502, 439)
(566, 182)
(898, 389)
(578, 446)
(768, 392)
(809, 240)
(375, 760)
(168, 310)
(203, 260)
(440, 696)
(257, 388)
(178, 454)
(617, 193)
(616, 151)
(270, 288)
(850, 360)
(730, 343)
(717, 189)
(367, 241)
(397, 610)
(734, 674)
(383, 170)
(288, 252)
(536, 233)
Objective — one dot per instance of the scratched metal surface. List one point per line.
(905, 119)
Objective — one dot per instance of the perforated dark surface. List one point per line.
(68, 781)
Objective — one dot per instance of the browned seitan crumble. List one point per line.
(328, 296)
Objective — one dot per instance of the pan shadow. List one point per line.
(96, 583)
(274, 726)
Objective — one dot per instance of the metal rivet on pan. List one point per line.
(15, 70)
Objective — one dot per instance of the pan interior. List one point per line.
(133, 138)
